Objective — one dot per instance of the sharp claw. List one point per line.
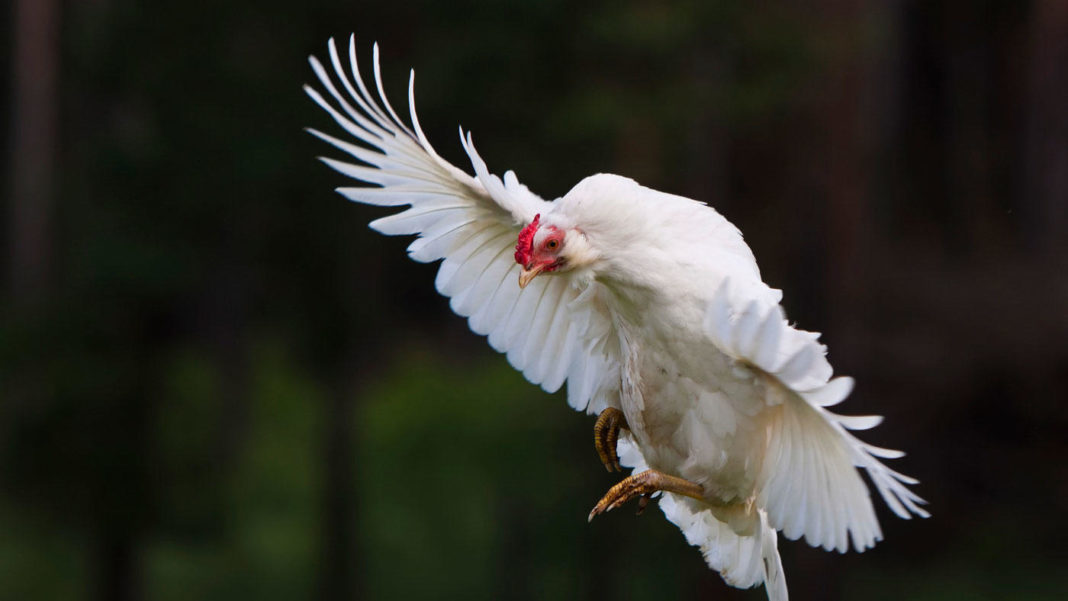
(605, 459)
(643, 485)
(597, 510)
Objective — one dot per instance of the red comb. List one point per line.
(524, 247)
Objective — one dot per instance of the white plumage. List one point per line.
(655, 307)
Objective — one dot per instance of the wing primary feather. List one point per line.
(518, 349)
(485, 319)
(812, 508)
(370, 128)
(475, 265)
(392, 196)
(771, 494)
(342, 120)
(553, 341)
(519, 316)
(415, 117)
(393, 164)
(465, 281)
(502, 331)
(365, 104)
(846, 499)
(587, 383)
(554, 379)
(459, 257)
(823, 502)
(413, 220)
(497, 312)
(890, 498)
(576, 397)
(858, 422)
(482, 291)
(881, 452)
(438, 240)
(370, 175)
(793, 525)
(903, 479)
(391, 145)
(386, 129)
(339, 70)
(831, 393)
(838, 492)
(382, 94)
(491, 182)
(369, 104)
(537, 330)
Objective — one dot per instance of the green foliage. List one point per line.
(259, 540)
(39, 561)
(474, 484)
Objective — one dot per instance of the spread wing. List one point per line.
(809, 481)
(550, 331)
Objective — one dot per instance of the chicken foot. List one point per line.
(606, 435)
(642, 485)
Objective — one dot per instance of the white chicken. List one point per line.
(651, 308)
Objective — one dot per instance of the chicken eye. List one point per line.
(552, 244)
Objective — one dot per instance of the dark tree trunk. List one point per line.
(116, 572)
(33, 145)
(1046, 169)
(338, 577)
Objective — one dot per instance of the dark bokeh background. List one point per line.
(217, 384)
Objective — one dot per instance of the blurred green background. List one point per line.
(216, 383)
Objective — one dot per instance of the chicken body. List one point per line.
(643, 302)
(693, 411)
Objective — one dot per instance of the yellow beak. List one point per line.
(528, 274)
